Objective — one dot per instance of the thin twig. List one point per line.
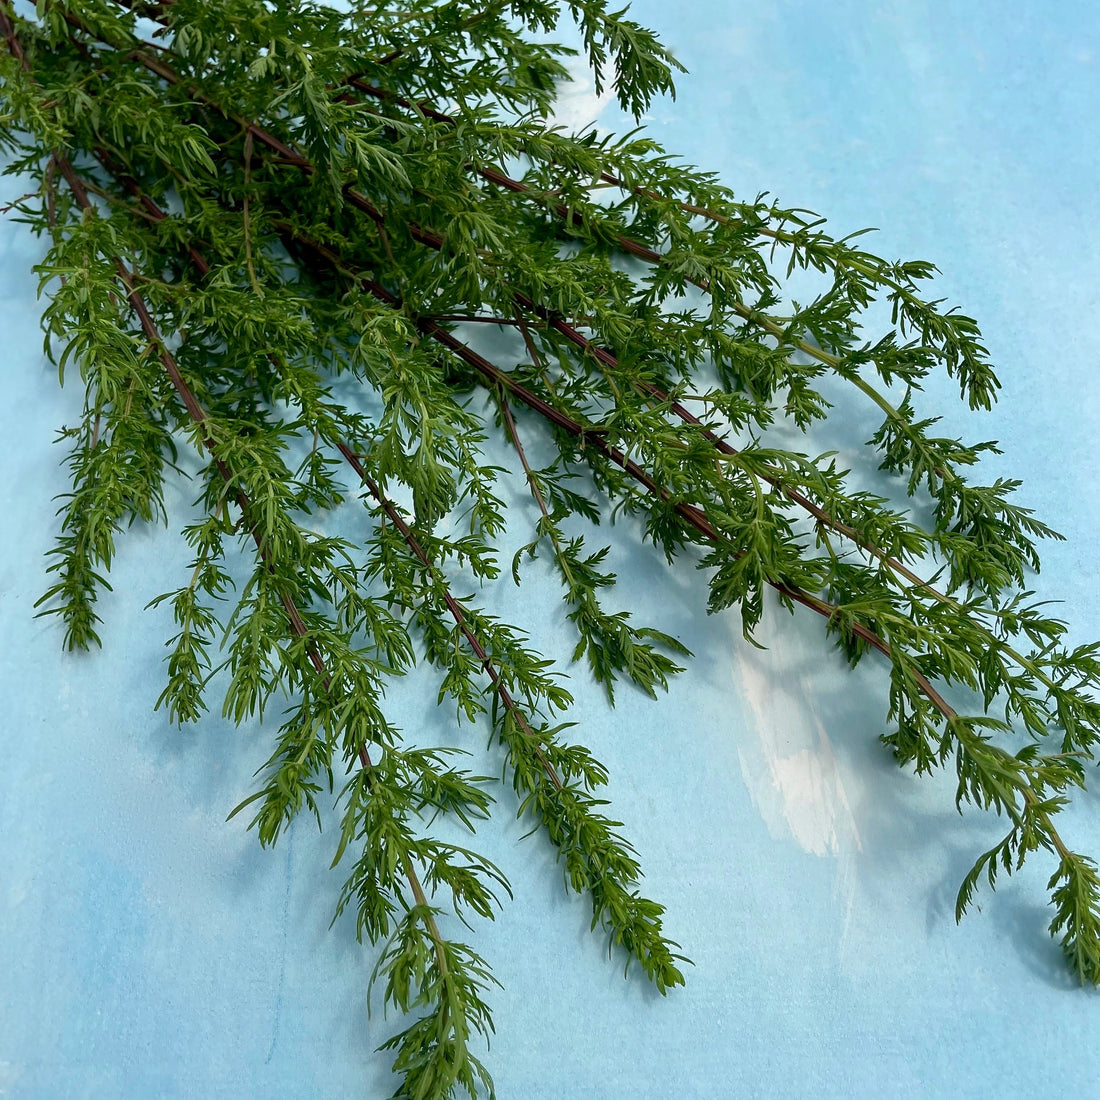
(247, 225)
(694, 516)
(453, 605)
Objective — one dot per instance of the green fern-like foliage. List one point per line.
(256, 209)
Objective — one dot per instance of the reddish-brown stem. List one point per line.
(691, 514)
(9, 207)
(495, 176)
(453, 606)
(602, 355)
(513, 433)
(695, 517)
(643, 252)
(198, 415)
(194, 410)
(7, 28)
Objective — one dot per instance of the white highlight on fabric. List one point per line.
(578, 106)
(790, 769)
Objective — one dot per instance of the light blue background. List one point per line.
(147, 948)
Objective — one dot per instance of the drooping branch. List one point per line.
(297, 296)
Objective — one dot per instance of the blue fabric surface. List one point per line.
(148, 948)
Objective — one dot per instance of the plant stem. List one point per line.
(197, 414)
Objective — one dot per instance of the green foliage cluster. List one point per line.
(252, 206)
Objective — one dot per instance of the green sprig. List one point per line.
(266, 233)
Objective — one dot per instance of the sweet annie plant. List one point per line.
(273, 229)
